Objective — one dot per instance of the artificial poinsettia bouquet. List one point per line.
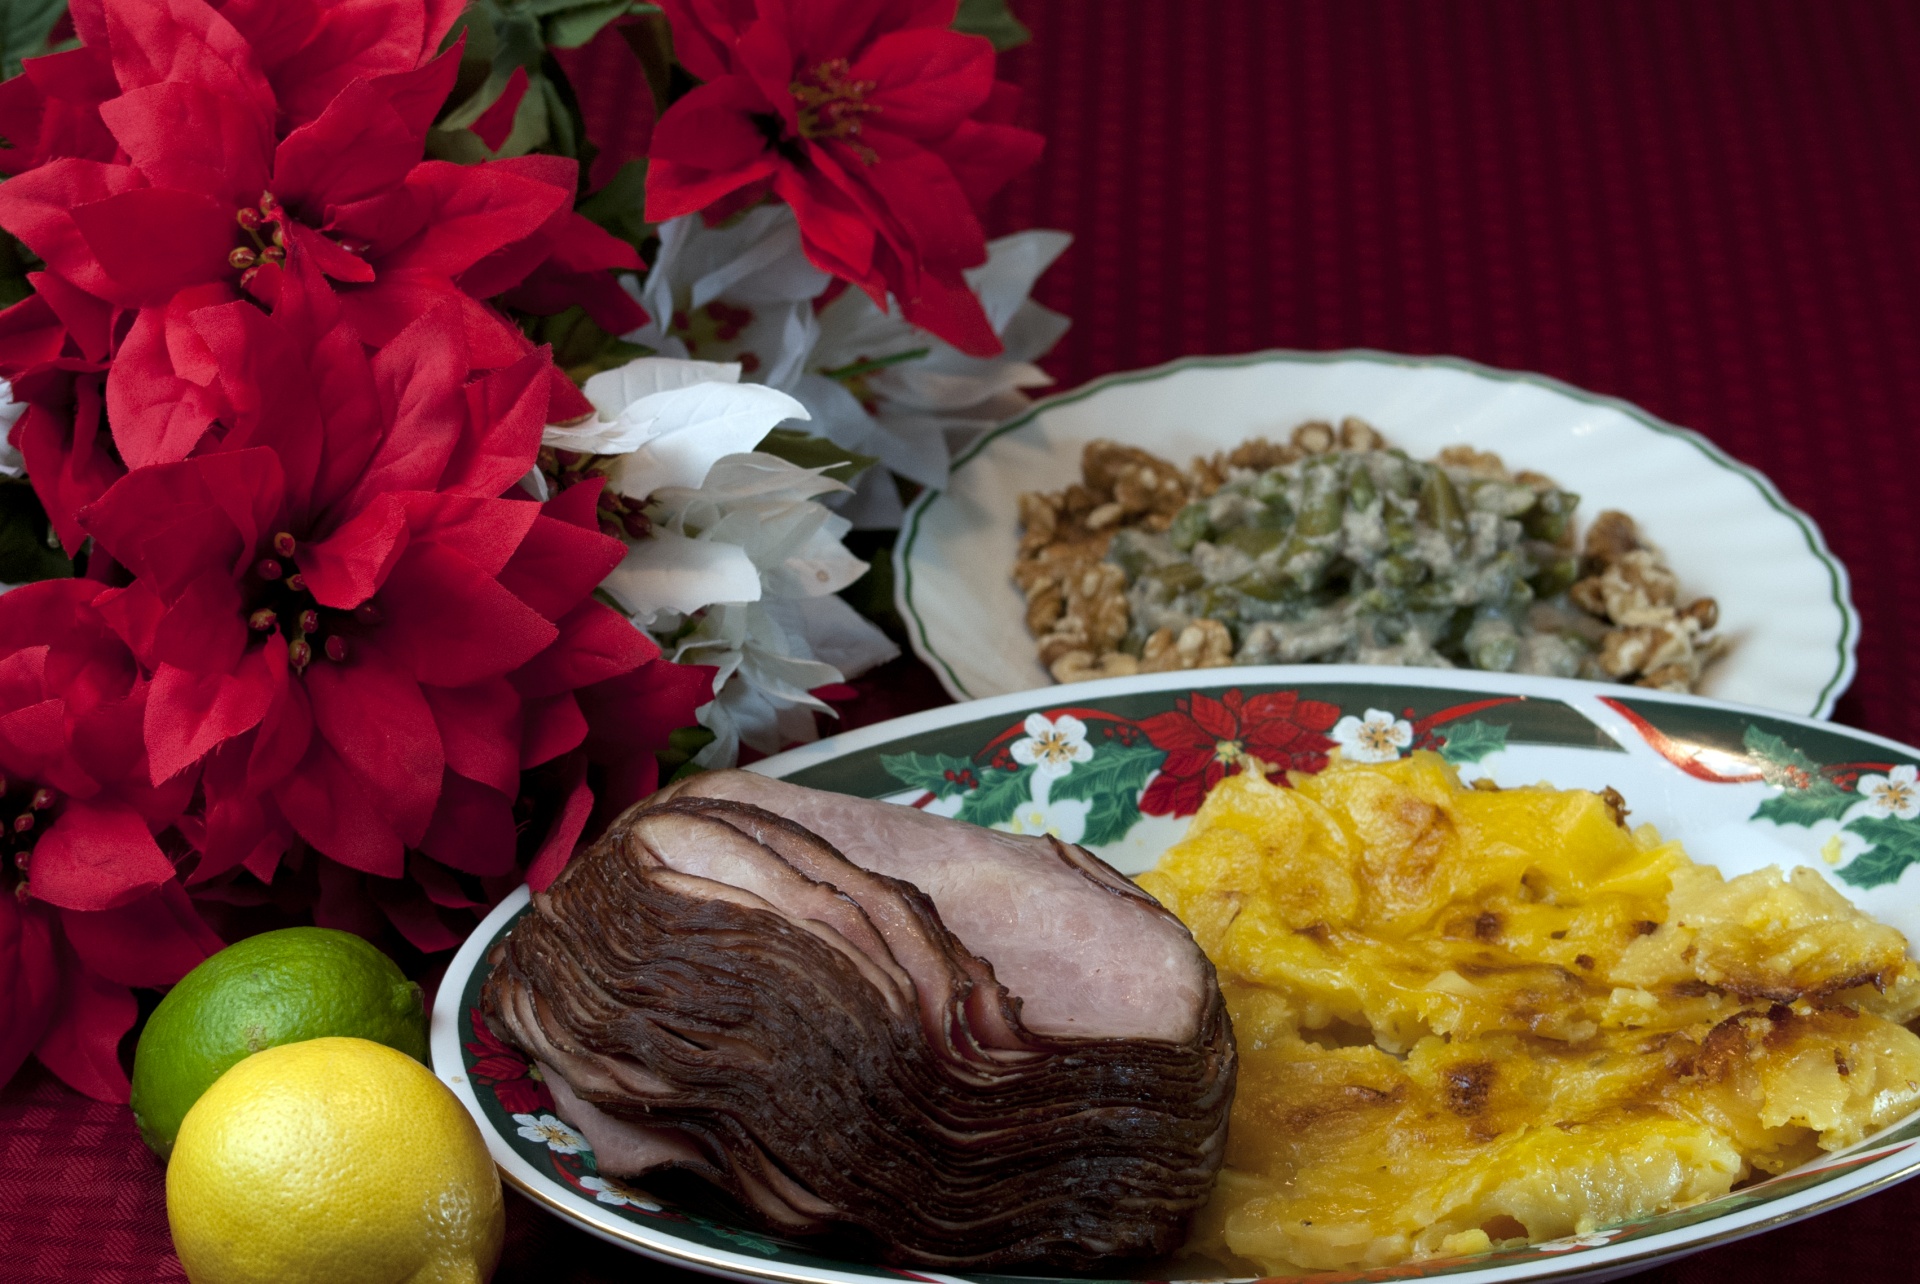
(425, 423)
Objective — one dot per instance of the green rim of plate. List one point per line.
(1838, 578)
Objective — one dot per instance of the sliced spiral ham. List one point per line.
(936, 1043)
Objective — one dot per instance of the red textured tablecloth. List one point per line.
(1709, 208)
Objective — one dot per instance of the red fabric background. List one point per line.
(1706, 208)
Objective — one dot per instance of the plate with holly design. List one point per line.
(1119, 766)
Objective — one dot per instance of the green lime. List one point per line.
(279, 987)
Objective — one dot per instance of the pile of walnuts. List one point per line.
(1655, 640)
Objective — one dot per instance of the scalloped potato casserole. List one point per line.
(1468, 1016)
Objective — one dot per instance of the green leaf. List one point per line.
(994, 20)
(580, 23)
(809, 451)
(1112, 780)
(24, 27)
(676, 760)
(1808, 807)
(651, 40)
(26, 551)
(998, 797)
(617, 206)
(580, 346)
(940, 774)
(1896, 845)
(1472, 741)
(872, 593)
(15, 262)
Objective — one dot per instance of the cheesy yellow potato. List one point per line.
(1470, 1016)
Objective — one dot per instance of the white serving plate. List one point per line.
(1724, 528)
(1741, 787)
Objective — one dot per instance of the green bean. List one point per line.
(1130, 557)
(1440, 507)
(1323, 505)
(1496, 653)
(1267, 584)
(1177, 577)
(1505, 499)
(1254, 540)
(1556, 577)
(1401, 572)
(1306, 562)
(1551, 517)
(1401, 477)
(1402, 534)
(1360, 489)
(1190, 526)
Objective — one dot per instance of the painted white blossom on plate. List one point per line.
(607, 1190)
(554, 1132)
(1065, 818)
(1051, 747)
(1895, 794)
(745, 292)
(1378, 737)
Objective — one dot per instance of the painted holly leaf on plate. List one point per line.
(1472, 741)
(1779, 762)
(1896, 845)
(998, 797)
(1822, 801)
(1112, 782)
(940, 774)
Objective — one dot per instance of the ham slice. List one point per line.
(932, 1043)
(1084, 950)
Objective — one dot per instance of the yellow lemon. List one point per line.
(333, 1161)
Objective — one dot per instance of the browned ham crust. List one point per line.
(745, 980)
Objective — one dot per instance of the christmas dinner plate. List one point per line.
(1741, 787)
(1723, 527)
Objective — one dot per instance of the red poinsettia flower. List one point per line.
(89, 902)
(356, 637)
(52, 109)
(1208, 740)
(211, 196)
(63, 434)
(310, 49)
(884, 130)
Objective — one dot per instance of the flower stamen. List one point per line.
(832, 104)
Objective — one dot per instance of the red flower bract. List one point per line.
(89, 903)
(359, 641)
(883, 130)
(217, 178)
(1208, 740)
